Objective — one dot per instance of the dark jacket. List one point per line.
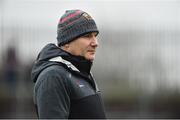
(64, 86)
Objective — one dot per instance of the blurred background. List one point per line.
(137, 64)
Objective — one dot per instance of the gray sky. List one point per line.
(110, 13)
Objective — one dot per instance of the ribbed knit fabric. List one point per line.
(73, 24)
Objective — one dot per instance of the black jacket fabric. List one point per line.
(64, 87)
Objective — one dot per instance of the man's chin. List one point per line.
(91, 58)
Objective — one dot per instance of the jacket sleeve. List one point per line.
(52, 96)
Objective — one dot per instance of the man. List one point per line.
(64, 86)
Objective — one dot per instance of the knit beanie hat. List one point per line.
(73, 24)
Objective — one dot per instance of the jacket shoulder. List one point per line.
(54, 69)
(52, 74)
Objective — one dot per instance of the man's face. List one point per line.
(84, 46)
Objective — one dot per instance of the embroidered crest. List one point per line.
(88, 17)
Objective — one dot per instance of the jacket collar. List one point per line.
(67, 63)
(75, 63)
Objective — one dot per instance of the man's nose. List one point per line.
(94, 42)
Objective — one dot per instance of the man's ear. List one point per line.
(65, 47)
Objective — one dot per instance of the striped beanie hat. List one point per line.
(73, 24)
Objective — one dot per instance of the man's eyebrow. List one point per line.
(87, 34)
(90, 34)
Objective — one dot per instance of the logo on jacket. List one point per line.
(79, 83)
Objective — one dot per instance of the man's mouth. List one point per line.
(92, 51)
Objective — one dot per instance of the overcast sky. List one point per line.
(108, 13)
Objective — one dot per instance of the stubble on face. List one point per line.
(84, 46)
